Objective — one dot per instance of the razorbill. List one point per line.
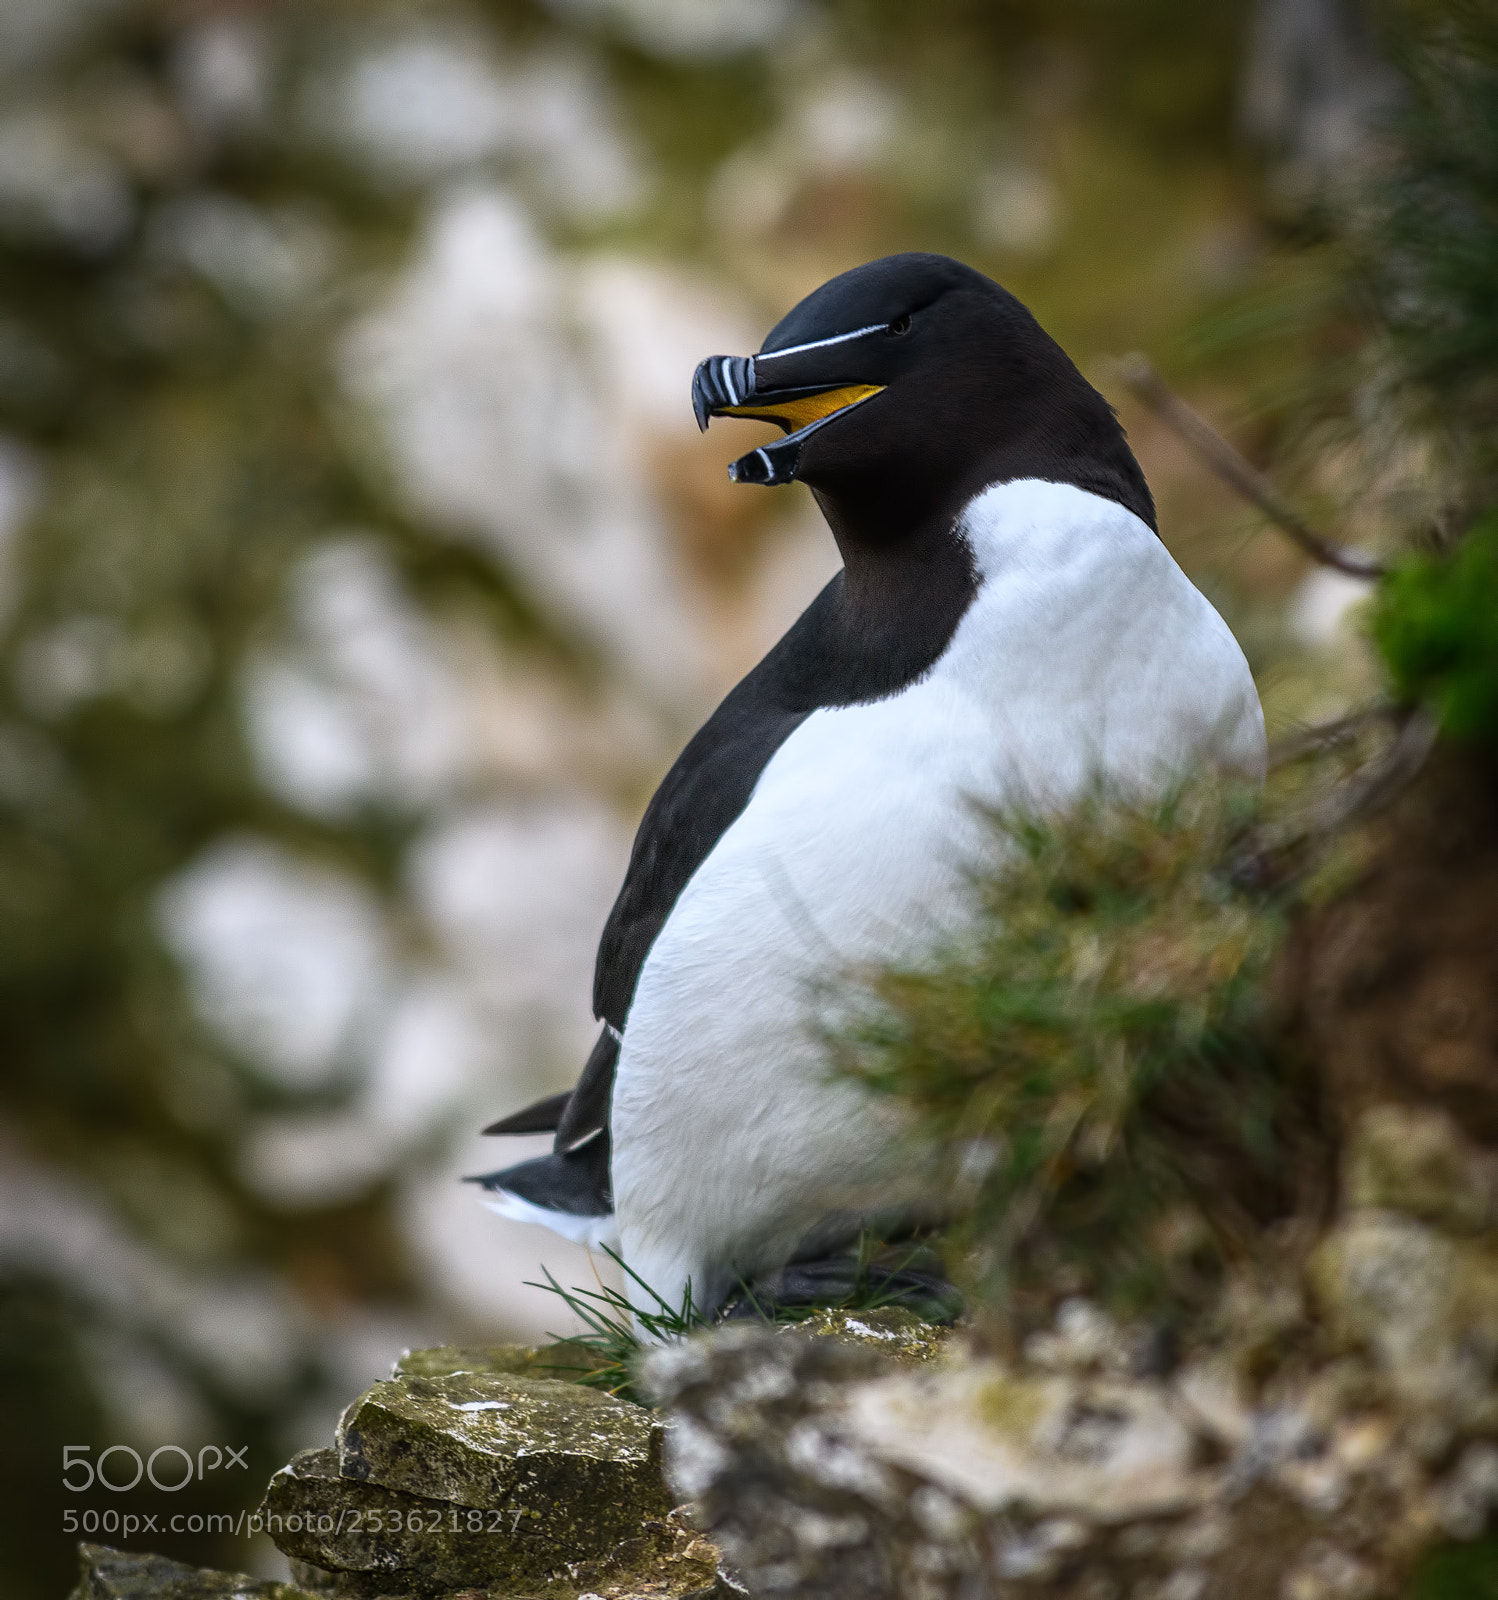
(1007, 629)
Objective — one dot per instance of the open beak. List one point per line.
(730, 386)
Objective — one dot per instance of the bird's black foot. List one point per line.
(908, 1274)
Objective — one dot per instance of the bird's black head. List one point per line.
(906, 386)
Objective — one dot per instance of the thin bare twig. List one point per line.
(1308, 741)
(1235, 471)
(1375, 786)
(1277, 855)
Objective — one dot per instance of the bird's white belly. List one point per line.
(1086, 653)
(729, 1139)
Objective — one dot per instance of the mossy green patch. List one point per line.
(1436, 622)
(1457, 1572)
(1012, 1408)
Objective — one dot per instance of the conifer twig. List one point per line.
(1237, 472)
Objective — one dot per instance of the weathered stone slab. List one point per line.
(415, 1543)
(569, 1471)
(107, 1574)
(666, 1559)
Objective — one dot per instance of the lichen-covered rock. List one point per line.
(793, 1511)
(891, 1330)
(569, 1362)
(829, 1473)
(1102, 1448)
(1414, 1159)
(825, 1471)
(553, 1472)
(106, 1574)
(458, 1477)
(666, 1559)
(414, 1543)
(1424, 1304)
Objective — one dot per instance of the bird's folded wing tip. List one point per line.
(542, 1116)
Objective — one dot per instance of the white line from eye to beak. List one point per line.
(818, 344)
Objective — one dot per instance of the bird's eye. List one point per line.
(897, 327)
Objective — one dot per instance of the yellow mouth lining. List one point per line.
(805, 409)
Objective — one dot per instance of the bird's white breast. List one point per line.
(1085, 653)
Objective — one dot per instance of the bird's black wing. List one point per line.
(698, 801)
(542, 1117)
(575, 1182)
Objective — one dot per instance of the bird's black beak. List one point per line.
(732, 386)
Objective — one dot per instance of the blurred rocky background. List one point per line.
(361, 571)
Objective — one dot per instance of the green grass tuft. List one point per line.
(617, 1330)
(605, 1356)
(1094, 1064)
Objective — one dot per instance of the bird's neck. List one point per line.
(894, 608)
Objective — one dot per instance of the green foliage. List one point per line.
(1436, 624)
(1093, 1064)
(618, 1329)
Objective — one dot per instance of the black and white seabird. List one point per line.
(1007, 629)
